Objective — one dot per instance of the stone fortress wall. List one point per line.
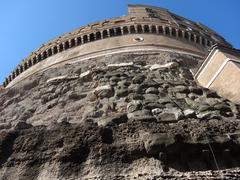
(125, 107)
(159, 27)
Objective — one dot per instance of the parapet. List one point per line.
(144, 26)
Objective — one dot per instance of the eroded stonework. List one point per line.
(134, 115)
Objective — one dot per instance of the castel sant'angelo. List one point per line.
(150, 95)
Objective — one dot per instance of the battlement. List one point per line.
(141, 19)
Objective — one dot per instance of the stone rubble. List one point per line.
(143, 118)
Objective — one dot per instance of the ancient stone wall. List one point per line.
(117, 100)
(125, 116)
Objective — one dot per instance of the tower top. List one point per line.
(170, 31)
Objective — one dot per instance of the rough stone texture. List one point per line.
(128, 121)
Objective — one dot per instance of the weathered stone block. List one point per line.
(155, 143)
(170, 115)
(143, 115)
(105, 91)
(134, 106)
(152, 90)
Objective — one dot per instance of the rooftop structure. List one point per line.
(143, 27)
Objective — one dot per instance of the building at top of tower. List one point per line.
(150, 95)
(143, 27)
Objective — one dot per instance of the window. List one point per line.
(125, 30)
(111, 32)
(79, 40)
(160, 29)
(139, 29)
(152, 13)
(85, 39)
(167, 30)
(154, 30)
(98, 35)
(146, 28)
(60, 47)
(118, 31)
(132, 30)
(66, 45)
(174, 32)
(105, 34)
(91, 37)
(49, 52)
(73, 43)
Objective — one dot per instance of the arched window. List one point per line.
(98, 35)
(25, 65)
(180, 34)
(60, 47)
(111, 32)
(17, 71)
(39, 57)
(49, 52)
(13, 75)
(203, 41)
(44, 56)
(154, 30)
(139, 29)
(85, 39)
(146, 28)
(73, 43)
(192, 37)
(208, 43)
(118, 31)
(186, 36)
(167, 30)
(105, 34)
(198, 39)
(132, 30)
(125, 30)
(174, 32)
(21, 68)
(6, 80)
(55, 50)
(79, 40)
(66, 45)
(91, 37)
(34, 60)
(29, 62)
(160, 29)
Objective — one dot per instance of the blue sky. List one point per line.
(27, 24)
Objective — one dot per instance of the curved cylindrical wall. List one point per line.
(163, 23)
(107, 33)
(116, 44)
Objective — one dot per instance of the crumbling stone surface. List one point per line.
(126, 116)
